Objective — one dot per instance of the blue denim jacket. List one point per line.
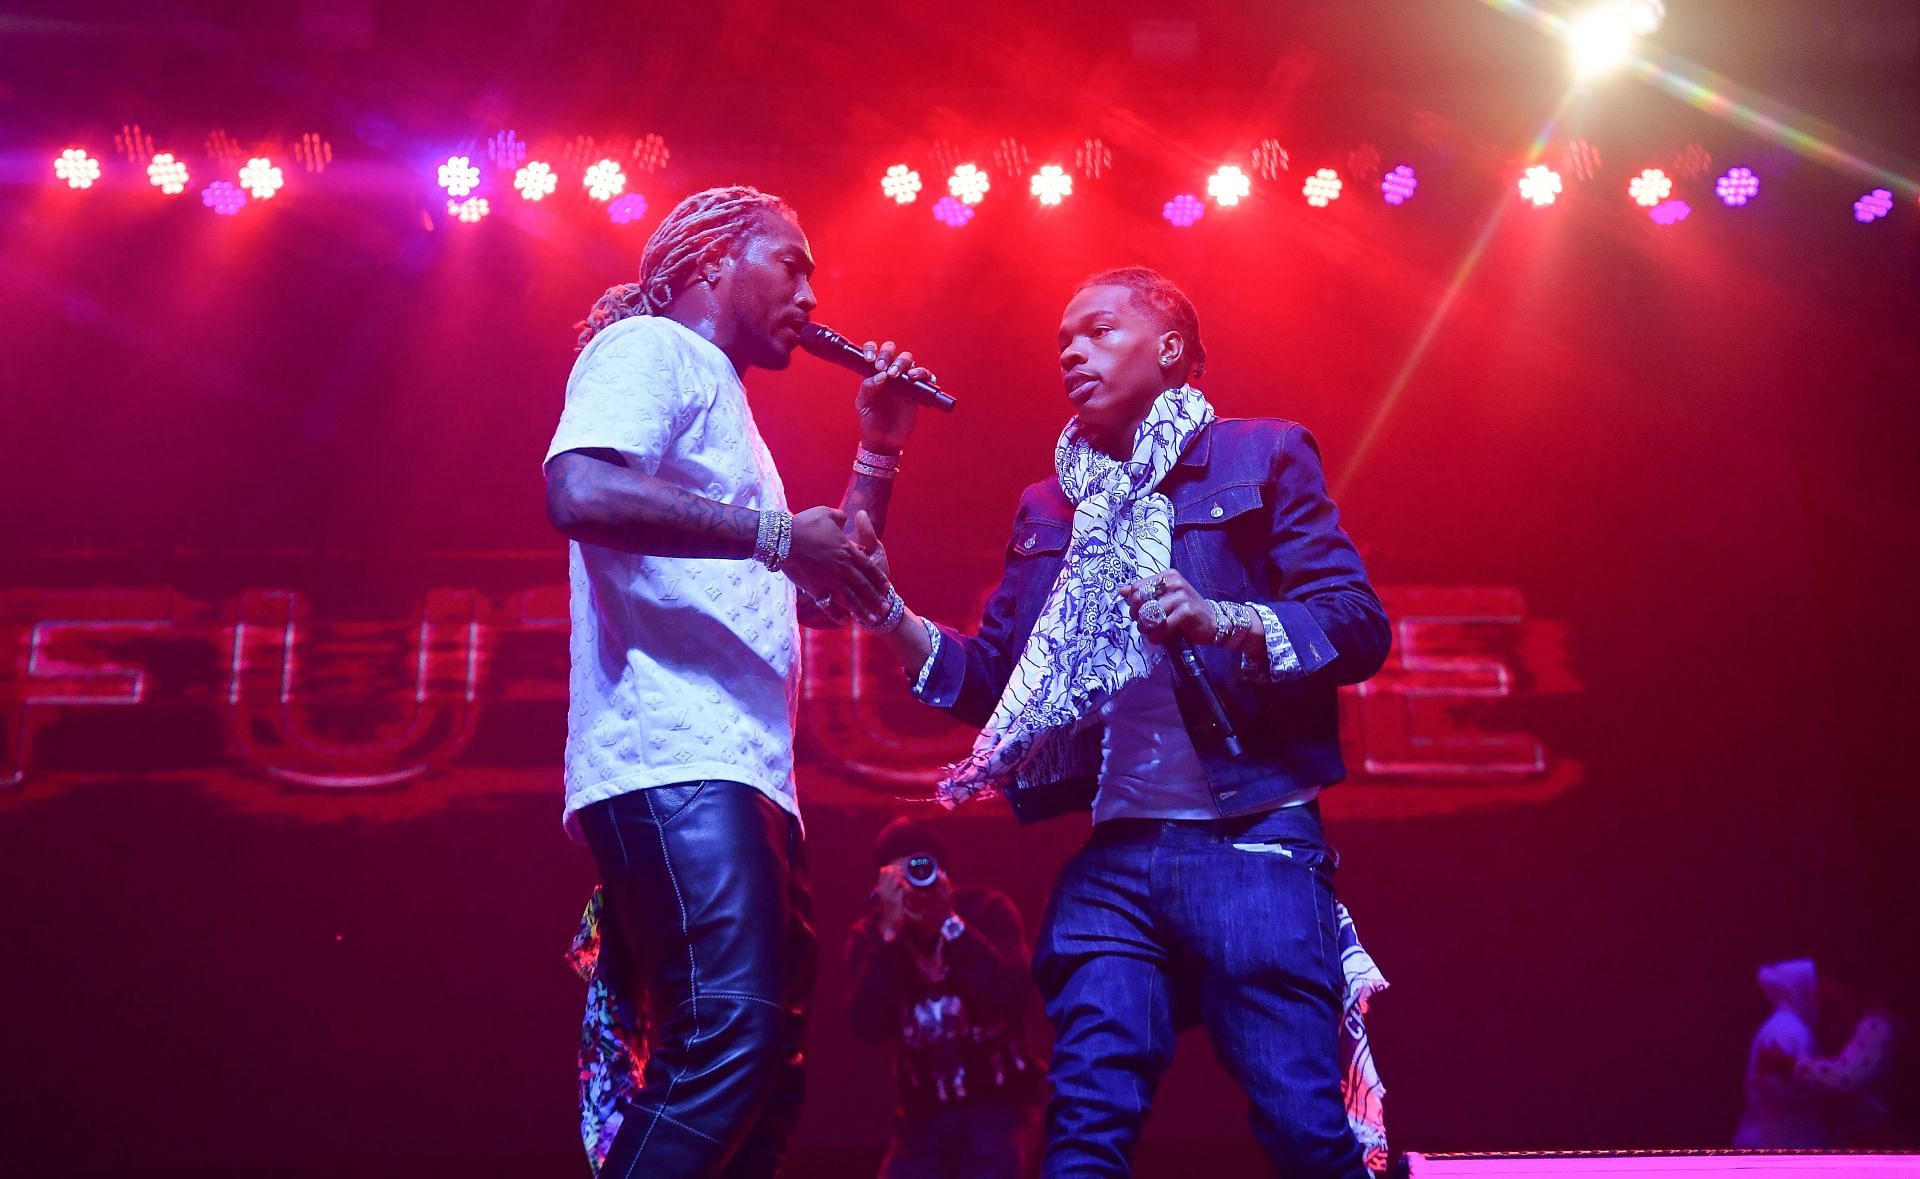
(1252, 522)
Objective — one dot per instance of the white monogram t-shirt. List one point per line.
(682, 668)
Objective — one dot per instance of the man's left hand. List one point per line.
(886, 419)
(1178, 610)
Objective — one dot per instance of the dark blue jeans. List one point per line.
(1156, 926)
(706, 884)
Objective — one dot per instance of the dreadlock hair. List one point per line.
(1170, 303)
(715, 217)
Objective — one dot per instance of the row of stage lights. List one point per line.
(967, 187)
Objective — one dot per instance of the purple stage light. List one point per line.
(223, 197)
(949, 211)
(1183, 210)
(1397, 185)
(1670, 212)
(1737, 187)
(471, 211)
(1873, 206)
(624, 210)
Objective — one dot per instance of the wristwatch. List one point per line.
(952, 927)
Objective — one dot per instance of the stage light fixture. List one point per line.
(223, 197)
(1051, 185)
(1322, 188)
(168, 174)
(969, 184)
(626, 209)
(1541, 185)
(536, 181)
(1670, 212)
(1183, 210)
(1645, 16)
(77, 168)
(951, 212)
(901, 185)
(1229, 186)
(1650, 187)
(1397, 186)
(1737, 187)
(605, 181)
(471, 211)
(1873, 206)
(458, 176)
(261, 179)
(1601, 39)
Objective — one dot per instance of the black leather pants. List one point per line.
(707, 886)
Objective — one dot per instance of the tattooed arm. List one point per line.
(594, 497)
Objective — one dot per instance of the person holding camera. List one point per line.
(941, 973)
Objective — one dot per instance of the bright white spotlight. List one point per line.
(1601, 39)
(604, 181)
(168, 174)
(1229, 186)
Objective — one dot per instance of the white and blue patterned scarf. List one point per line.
(1085, 646)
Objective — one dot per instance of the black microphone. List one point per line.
(828, 344)
(1187, 665)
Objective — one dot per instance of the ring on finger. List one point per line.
(1153, 613)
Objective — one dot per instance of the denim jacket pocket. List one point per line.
(1212, 539)
(1040, 536)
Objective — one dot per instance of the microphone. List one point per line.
(828, 344)
(1187, 665)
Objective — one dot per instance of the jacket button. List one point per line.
(1027, 543)
(1218, 511)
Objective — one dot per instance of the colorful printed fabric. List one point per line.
(1365, 1093)
(613, 1044)
(1085, 646)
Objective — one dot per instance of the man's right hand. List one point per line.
(831, 568)
(890, 891)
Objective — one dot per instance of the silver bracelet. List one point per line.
(1229, 623)
(773, 541)
(896, 613)
(875, 464)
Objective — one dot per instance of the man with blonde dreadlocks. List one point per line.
(685, 668)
